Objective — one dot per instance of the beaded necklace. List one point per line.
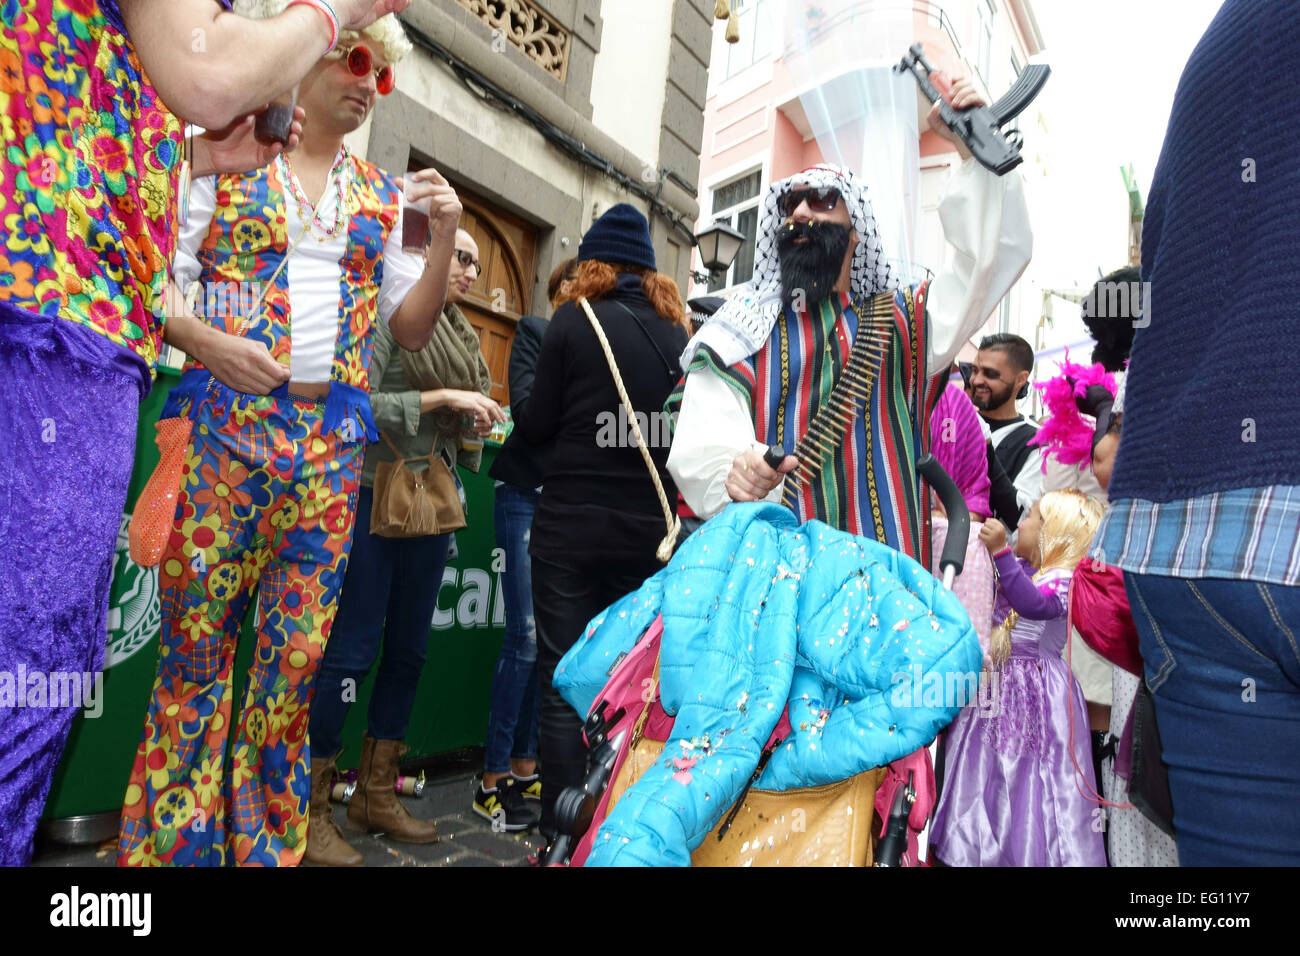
(342, 184)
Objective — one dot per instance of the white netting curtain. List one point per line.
(840, 55)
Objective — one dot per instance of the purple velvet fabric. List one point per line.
(69, 400)
(957, 441)
(112, 14)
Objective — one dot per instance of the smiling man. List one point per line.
(998, 378)
(269, 495)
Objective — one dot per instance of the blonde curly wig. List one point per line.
(386, 32)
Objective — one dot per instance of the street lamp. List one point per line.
(718, 245)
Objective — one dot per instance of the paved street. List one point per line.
(466, 839)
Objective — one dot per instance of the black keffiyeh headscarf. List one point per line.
(740, 327)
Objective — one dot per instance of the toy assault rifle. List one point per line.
(980, 127)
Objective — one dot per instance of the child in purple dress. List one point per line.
(1010, 796)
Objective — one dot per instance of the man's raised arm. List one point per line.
(986, 222)
(211, 66)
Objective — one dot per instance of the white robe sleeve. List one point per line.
(986, 222)
(713, 428)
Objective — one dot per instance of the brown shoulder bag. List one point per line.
(413, 504)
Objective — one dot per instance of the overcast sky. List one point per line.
(1115, 66)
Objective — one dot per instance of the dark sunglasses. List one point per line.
(466, 259)
(360, 62)
(819, 199)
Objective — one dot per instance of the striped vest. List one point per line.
(869, 486)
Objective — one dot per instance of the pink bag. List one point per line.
(1100, 610)
(631, 679)
(918, 763)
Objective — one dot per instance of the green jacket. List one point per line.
(395, 404)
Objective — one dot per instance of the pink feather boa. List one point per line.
(1067, 434)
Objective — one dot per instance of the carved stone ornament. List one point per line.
(520, 22)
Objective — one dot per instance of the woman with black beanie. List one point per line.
(599, 520)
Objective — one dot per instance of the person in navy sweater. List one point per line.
(1205, 515)
(510, 752)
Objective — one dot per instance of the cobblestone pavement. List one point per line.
(466, 838)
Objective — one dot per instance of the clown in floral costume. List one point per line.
(89, 168)
(269, 493)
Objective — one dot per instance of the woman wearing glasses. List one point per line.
(424, 402)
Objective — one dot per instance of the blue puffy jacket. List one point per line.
(758, 613)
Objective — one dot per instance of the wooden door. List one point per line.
(502, 293)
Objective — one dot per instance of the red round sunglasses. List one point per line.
(360, 62)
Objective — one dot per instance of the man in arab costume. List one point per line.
(760, 369)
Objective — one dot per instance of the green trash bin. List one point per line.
(451, 705)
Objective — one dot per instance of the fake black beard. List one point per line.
(813, 267)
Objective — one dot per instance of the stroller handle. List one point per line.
(954, 548)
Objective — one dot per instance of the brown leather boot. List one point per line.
(374, 806)
(325, 843)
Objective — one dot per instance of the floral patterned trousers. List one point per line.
(267, 501)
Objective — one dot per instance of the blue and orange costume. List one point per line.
(268, 501)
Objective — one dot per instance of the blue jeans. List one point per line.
(515, 704)
(1222, 659)
(389, 580)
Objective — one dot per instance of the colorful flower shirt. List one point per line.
(88, 173)
(246, 243)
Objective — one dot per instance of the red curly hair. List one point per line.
(595, 279)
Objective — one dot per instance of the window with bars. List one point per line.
(736, 203)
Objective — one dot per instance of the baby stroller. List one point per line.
(627, 720)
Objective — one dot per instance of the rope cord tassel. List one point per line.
(665, 549)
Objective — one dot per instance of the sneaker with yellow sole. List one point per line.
(503, 806)
(531, 786)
